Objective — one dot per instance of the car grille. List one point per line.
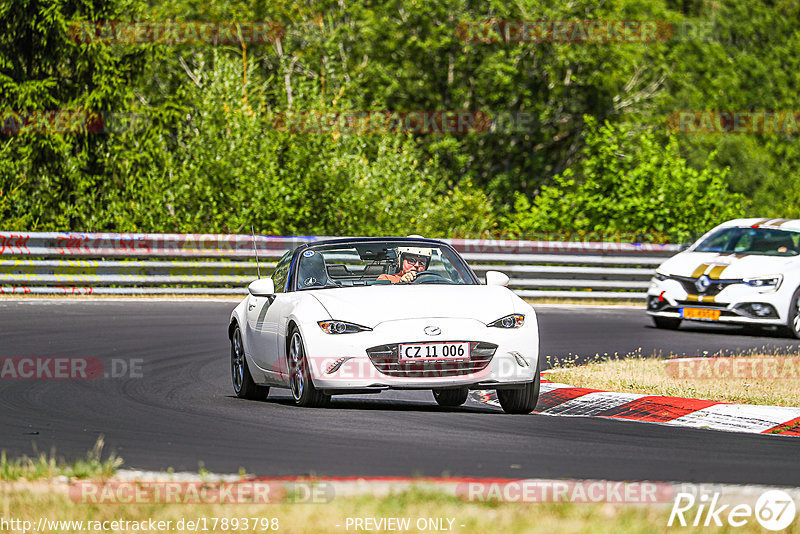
(386, 360)
(714, 289)
(704, 304)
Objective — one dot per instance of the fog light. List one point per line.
(657, 302)
(520, 360)
(761, 310)
(332, 368)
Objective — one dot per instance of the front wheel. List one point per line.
(243, 384)
(303, 391)
(521, 400)
(667, 323)
(792, 327)
(451, 397)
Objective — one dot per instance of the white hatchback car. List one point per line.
(336, 318)
(745, 271)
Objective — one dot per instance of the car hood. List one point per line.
(372, 305)
(731, 266)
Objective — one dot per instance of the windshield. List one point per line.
(764, 241)
(379, 263)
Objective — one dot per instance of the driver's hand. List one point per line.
(410, 276)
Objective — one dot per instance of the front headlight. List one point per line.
(660, 277)
(515, 320)
(765, 282)
(341, 327)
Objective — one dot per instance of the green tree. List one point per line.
(50, 179)
(626, 181)
(229, 165)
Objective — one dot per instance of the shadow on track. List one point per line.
(386, 405)
(771, 333)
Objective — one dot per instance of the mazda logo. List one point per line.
(433, 330)
(702, 284)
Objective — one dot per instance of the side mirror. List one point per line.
(496, 278)
(262, 287)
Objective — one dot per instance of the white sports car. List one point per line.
(338, 317)
(745, 271)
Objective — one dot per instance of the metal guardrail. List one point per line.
(153, 264)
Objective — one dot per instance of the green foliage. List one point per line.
(415, 59)
(48, 180)
(228, 166)
(628, 182)
(741, 56)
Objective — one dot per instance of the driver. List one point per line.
(412, 260)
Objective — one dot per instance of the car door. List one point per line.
(263, 327)
(265, 316)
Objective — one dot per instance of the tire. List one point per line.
(521, 400)
(667, 323)
(792, 328)
(243, 384)
(303, 391)
(451, 397)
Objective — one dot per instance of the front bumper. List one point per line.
(340, 363)
(736, 303)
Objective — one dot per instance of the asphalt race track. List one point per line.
(579, 334)
(181, 413)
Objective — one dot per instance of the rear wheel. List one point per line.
(792, 327)
(303, 390)
(451, 397)
(243, 384)
(667, 323)
(521, 400)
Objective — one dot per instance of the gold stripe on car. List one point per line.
(716, 272)
(700, 270)
(778, 222)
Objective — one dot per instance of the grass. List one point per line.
(57, 501)
(509, 518)
(637, 374)
(49, 466)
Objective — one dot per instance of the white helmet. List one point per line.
(416, 251)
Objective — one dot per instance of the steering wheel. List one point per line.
(428, 277)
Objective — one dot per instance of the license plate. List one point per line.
(703, 314)
(425, 352)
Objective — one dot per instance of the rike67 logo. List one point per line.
(774, 510)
